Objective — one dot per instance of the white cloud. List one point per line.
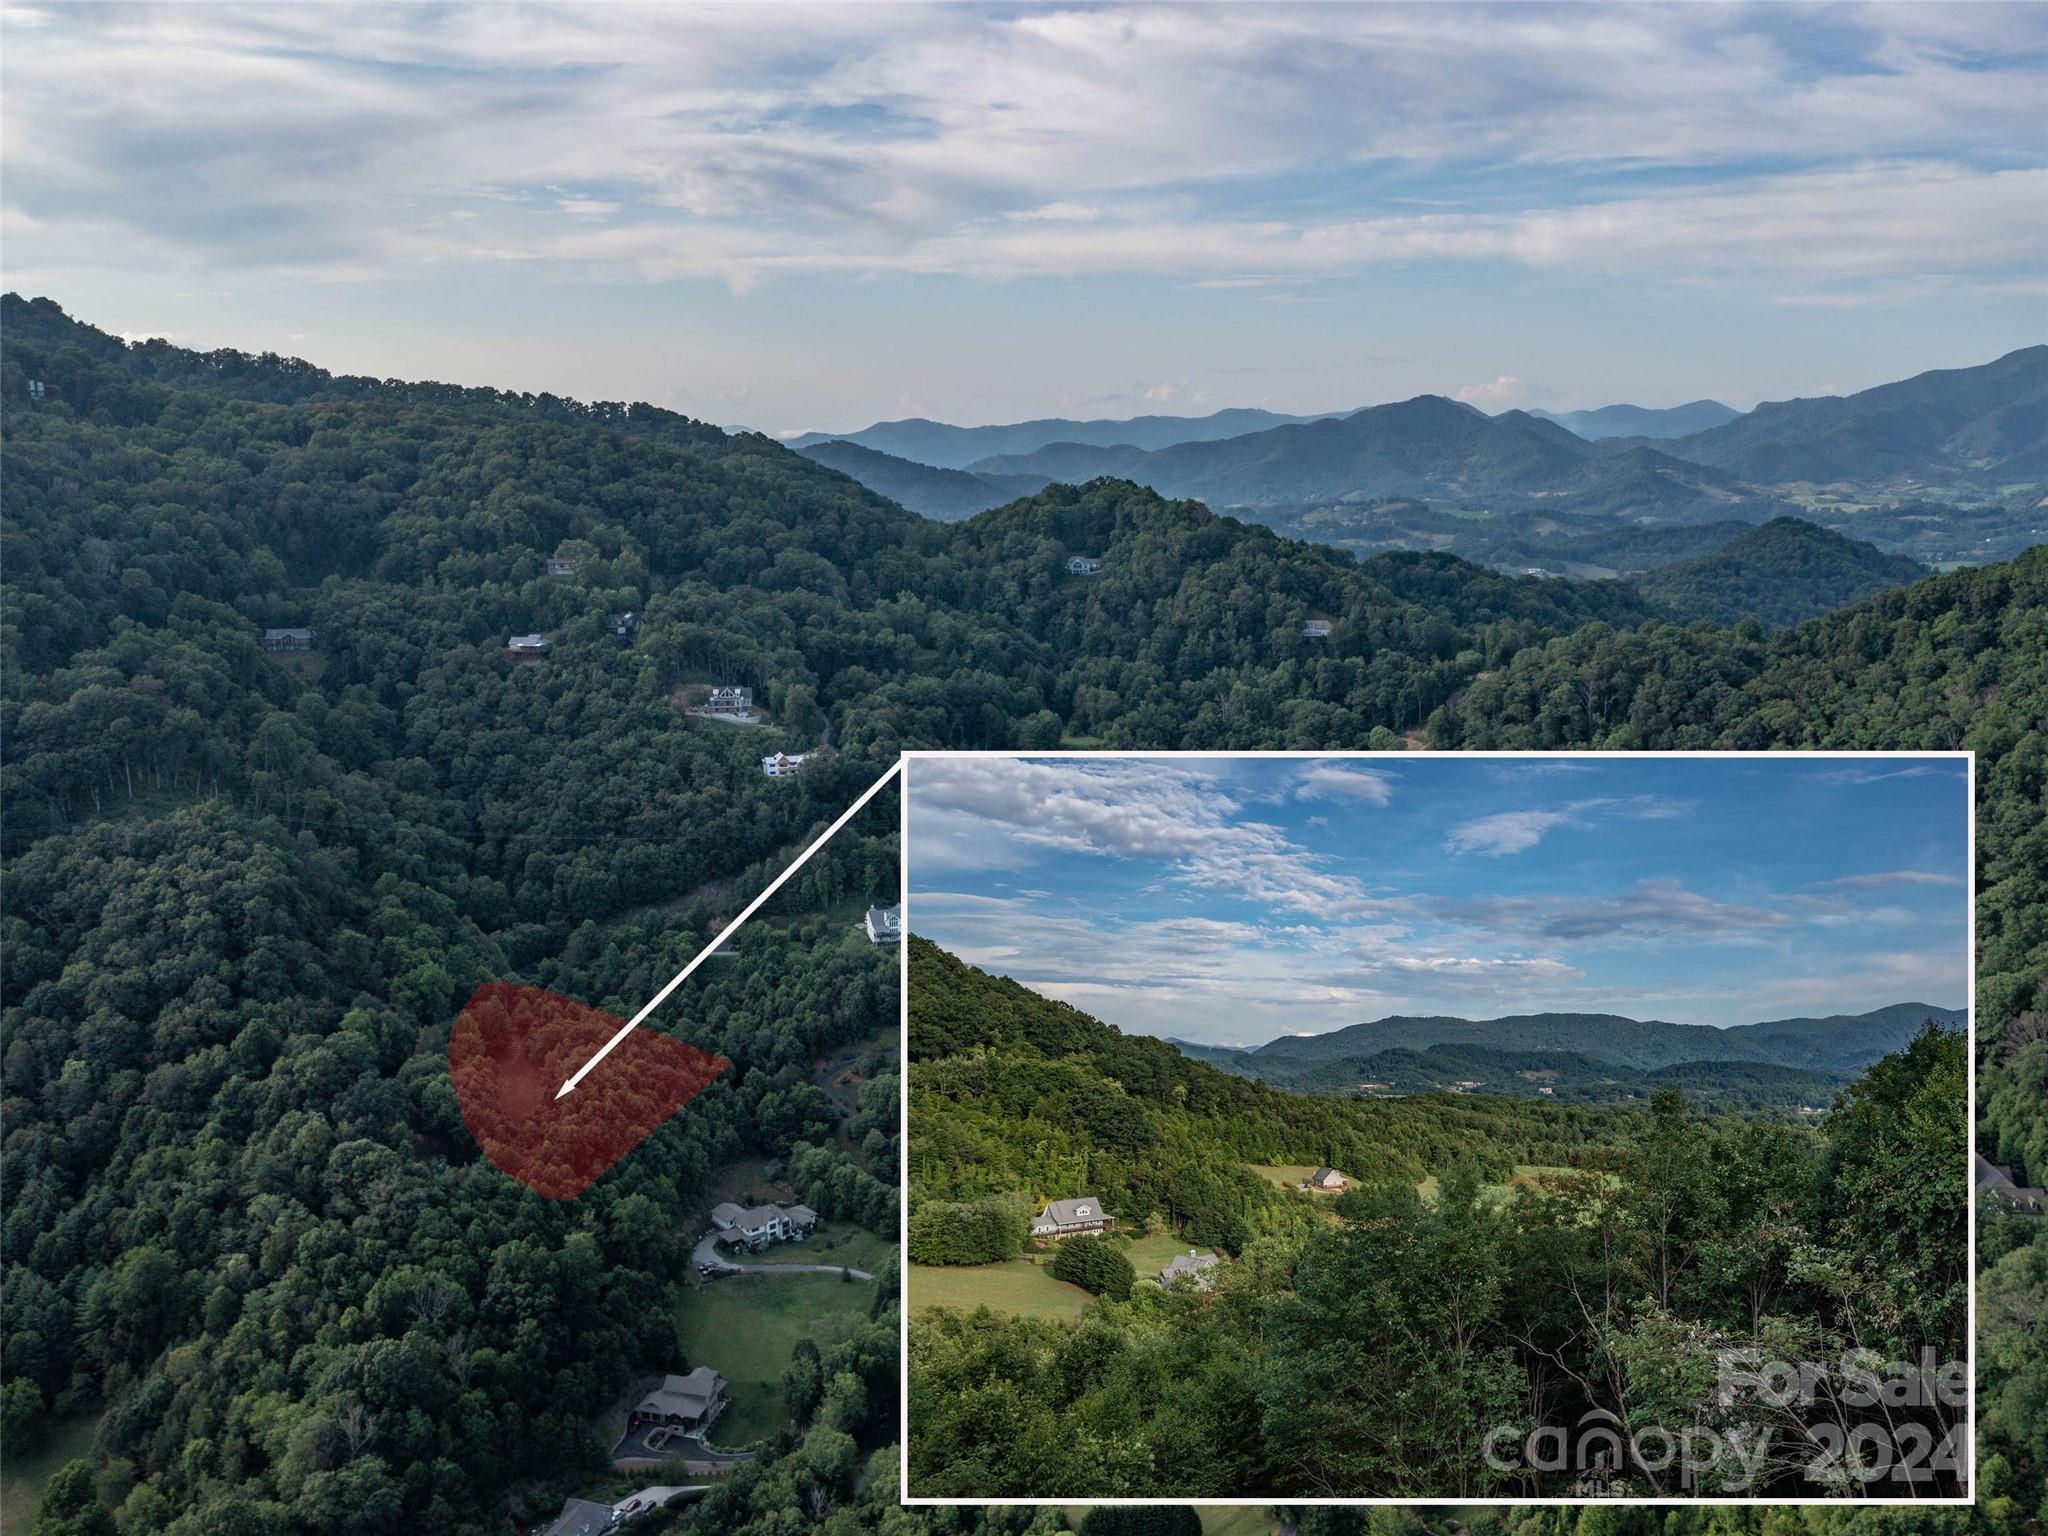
(1501, 392)
(996, 811)
(1896, 877)
(1503, 832)
(316, 141)
(1374, 786)
(1514, 831)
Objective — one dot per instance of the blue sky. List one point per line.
(1230, 901)
(812, 218)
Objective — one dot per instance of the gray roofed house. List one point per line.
(581, 1517)
(1316, 629)
(1326, 1178)
(1192, 1265)
(884, 924)
(689, 1402)
(558, 566)
(1997, 1183)
(1061, 1218)
(1083, 565)
(289, 639)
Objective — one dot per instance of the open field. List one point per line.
(22, 1479)
(1290, 1175)
(1017, 1287)
(745, 1329)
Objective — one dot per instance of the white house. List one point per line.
(528, 647)
(1083, 565)
(1316, 629)
(729, 699)
(884, 925)
(759, 1225)
(783, 766)
(1063, 1218)
(557, 566)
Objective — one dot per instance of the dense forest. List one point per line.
(1373, 1355)
(245, 1234)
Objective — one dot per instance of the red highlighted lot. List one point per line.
(511, 1049)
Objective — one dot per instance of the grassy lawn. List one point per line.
(1148, 1255)
(1289, 1175)
(22, 1479)
(1017, 1287)
(836, 1242)
(745, 1328)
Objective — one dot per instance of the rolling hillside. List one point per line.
(1428, 447)
(1985, 425)
(1643, 421)
(1786, 571)
(944, 495)
(1837, 1043)
(1562, 1077)
(946, 446)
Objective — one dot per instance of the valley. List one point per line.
(1471, 1250)
(418, 813)
(1958, 479)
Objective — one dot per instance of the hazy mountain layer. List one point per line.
(949, 447)
(1643, 421)
(945, 495)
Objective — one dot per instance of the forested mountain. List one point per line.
(1563, 1077)
(1642, 421)
(1986, 425)
(1428, 447)
(949, 447)
(1656, 1238)
(246, 891)
(1836, 1043)
(945, 495)
(1779, 574)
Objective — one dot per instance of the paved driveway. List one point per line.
(706, 1252)
(651, 1442)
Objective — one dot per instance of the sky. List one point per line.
(811, 218)
(1230, 901)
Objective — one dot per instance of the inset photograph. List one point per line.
(1438, 1127)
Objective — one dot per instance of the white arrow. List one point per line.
(730, 928)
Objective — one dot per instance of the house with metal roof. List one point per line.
(1063, 1218)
